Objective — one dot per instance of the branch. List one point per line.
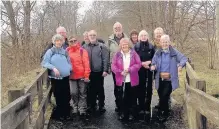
(32, 5)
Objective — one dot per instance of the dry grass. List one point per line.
(17, 81)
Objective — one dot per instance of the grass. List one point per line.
(16, 81)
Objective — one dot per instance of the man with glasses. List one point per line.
(98, 56)
(113, 46)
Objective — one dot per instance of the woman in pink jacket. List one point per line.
(125, 65)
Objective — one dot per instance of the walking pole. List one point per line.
(123, 88)
(146, 85)
(152, 93)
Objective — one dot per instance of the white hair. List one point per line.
(125, 40)
(57, 37)
(117, 23)
(141, 32)
(167, 37)
(60, 28)
(158, 29)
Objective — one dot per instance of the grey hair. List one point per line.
(125, 40)
(85, 33)
(141, 32)
(167, 37)
(117, 23)
(60, 28)
(57, 37)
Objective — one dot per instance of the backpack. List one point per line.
(47, 48)
(53, 52)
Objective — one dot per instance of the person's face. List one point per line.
(134, 37)
(164, 43)
(125, 46)
(158, 34)
(143, 37)
(72, 41)
(92, 37)
(62, 32)
(58, 43)
(117, 30)
(86, 37)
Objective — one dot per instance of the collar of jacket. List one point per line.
(112, 37)
(93, 44)
(138, 44)
(131, 53)
(144, 42)
(171, 50)
(75, 47)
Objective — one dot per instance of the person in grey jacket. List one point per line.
(57, 60)
(99, 57)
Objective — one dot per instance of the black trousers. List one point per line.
(145, 90)
(164, 91)
(126, 100)
(116, 93)
(61, 91)
(96, 88)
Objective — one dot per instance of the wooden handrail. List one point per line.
(18, 112)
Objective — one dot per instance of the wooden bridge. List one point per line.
(21, 113)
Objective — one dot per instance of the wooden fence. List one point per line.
(200, 106)
(17, 114)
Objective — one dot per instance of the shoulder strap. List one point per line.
(53, 51)
(81, 51)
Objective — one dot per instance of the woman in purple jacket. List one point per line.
(126, 64)
(167, 61)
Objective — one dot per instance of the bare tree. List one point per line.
(11, 15)
(217, 26)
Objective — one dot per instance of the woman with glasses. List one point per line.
(80, 76)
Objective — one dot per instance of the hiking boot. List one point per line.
(147, 116)
(102, 109)
(121, 117)
(131, 117)
(116, 109)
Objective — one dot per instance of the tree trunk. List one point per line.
(11, 16)
(27, 10)
(217, 26)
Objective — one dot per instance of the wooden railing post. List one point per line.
(40, 90)
(195, 119)
(13, 95)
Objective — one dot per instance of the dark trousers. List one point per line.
(96, 89)
(145, 90)
(127, 99)
(61, 92)
(115, 90)
(164, 91)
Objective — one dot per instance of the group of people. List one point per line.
(77, 72)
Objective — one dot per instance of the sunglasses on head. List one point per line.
(72, 41)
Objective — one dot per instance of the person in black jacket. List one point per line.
(146, 52)
(62, 31)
